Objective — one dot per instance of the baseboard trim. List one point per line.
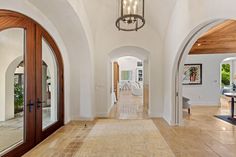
(199, 103)
(102, 115)
(83, 119)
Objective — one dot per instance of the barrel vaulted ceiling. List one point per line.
(103, 14)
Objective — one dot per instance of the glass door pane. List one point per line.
(49, 86)
(12, 88)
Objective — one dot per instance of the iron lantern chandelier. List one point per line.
(131, 15)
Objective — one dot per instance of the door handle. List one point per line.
(31, 105)
(39, 103)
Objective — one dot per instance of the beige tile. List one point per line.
(120, 138)
(129, 107)
(201, 135)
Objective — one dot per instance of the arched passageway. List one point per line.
(128, 74)
(201, 50)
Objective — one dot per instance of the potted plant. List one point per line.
(18, 98)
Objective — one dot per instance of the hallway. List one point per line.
(129, 107)
(111, 78)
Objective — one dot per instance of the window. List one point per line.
(126, 75)
(225, 75)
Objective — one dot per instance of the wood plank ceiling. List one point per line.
(218, 40)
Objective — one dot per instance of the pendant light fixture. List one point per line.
(131, 15)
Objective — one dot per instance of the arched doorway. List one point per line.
(32, 80)
(192, 45)
(128, 75)
(128, 89)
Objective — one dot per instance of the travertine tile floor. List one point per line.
(129, 107)
(121, 138)
(65, 142)
(108, 138)
(202, 135)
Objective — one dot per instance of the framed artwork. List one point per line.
(192, 74)
(126, 75)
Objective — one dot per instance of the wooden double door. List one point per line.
(31, 88)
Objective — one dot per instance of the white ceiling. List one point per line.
(102, 13)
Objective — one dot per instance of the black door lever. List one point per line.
(31, 105)
(39, 103)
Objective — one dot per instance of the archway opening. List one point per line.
(199, 82)
(128, 75)
(127, 88)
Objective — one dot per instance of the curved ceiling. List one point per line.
(103, 13)
(137, 52)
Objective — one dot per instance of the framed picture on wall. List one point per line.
(126, 75)
(192, 74)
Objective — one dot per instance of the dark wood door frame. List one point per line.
(42, 34)
(10, 20)
(34, 33)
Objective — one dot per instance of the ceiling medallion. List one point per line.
(131, 15)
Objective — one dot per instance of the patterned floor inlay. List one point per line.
(124, 138)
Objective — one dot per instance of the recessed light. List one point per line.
(199, 44)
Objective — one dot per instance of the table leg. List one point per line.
(232, 107)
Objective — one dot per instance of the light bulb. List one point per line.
(128, 9)
(124, 3)
(134, 7)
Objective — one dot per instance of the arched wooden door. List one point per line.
(31, 88)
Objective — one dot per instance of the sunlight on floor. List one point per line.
(129, 107)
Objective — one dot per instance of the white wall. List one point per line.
(11, 52)
(209, 92)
